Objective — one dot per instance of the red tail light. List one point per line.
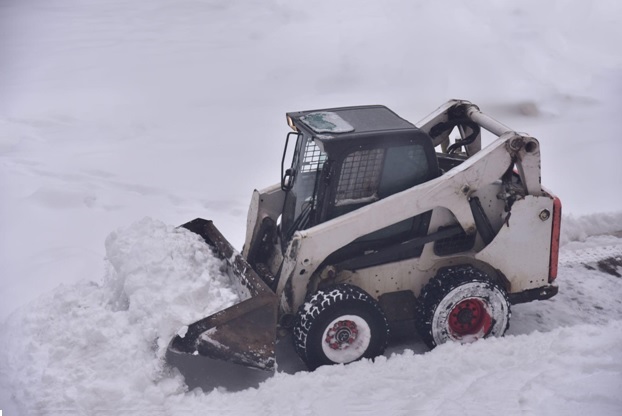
(557, 220)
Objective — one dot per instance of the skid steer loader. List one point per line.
(376, 224)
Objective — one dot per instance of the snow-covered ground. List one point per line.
(99, 348)
(115, 111)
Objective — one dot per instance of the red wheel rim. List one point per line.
(470, 317)
(341, 335)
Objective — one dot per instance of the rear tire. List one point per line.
(338, 325)
(462, 304)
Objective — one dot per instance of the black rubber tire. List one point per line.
(326, 307)
(448, 294)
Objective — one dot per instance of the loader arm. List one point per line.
(309, 248)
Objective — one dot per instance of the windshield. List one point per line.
(300, 200)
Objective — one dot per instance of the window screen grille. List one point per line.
(360, 175)
(313, 159)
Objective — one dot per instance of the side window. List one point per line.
(360, 175)
(369, 175)
(404, 166)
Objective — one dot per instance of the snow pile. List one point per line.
(165, 277)
(580, 228)
(87, 345)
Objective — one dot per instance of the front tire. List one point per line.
(339, 325)
(462, 304)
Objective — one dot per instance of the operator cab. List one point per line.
(345, 158)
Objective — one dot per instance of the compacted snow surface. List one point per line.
(147, 113)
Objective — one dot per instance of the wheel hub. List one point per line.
(470, 317)
(465, 316)
(342, 335)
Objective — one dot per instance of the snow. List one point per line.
(326, 122)
(98, 348)
(116, 111)
(110, 336)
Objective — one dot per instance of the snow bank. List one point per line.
(580, 228)
(92, 346)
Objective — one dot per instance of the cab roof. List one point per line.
(336, 126)
(349, 120)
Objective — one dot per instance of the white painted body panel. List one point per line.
(265, 203)
(522, 248)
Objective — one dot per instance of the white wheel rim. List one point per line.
(346, 339)
(493, 301)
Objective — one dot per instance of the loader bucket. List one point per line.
(244, 333)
